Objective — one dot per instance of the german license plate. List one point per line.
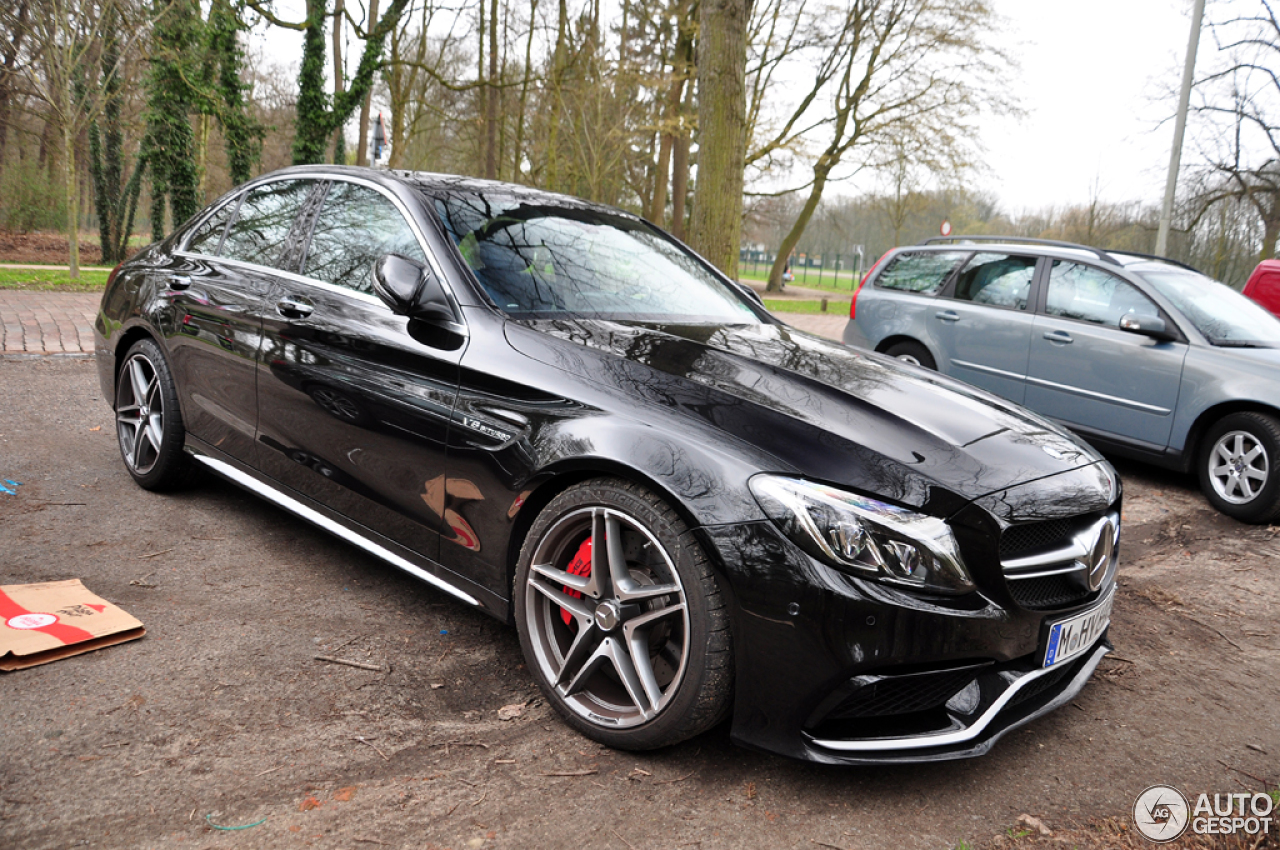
(1072, 636)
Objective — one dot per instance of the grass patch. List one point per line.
(54, 279)
(835, 308)
(843, 283)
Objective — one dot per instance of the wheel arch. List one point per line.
(890, 341)
(1194, 443)
(561, 476)
(128, 338)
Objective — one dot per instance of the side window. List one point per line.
(266, 215)
(1002, 280)
(920, 272)
(1082, 292)
(208, 236)
(356, 227)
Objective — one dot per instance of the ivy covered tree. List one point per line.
(224, 97)
(116, 200)
(319, 115)
(169, 146)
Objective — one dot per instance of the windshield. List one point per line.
(539, 260)
(1223, 315)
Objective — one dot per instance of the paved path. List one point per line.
(35, 322)
(40, 322)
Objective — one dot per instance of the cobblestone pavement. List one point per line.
(40, 322)
(36, 322)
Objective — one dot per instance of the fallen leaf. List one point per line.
(295, 828)
(1034, 824)
(344, 795)
(751, 790)
(309, 804)
(511, 712)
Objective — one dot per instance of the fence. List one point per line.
(834, 272)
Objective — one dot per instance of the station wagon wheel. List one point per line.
(621, 619)
(148, 419)
(1238, 463)
(913, 353)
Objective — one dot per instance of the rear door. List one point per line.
(218, 290)
(1086, 372)
(355, 401)
(982, 323)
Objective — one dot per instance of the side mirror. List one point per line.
(1152, 326)
(410, 289)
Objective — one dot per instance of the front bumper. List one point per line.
(837, 669)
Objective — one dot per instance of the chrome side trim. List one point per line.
(946, 738)
(1109, 399)
(990, 370)
(315, 517)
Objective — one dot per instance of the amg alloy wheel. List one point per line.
(148, 420)
(621, 619)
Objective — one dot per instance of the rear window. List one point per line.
(920, 272)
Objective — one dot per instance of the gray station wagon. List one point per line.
(1144, 357)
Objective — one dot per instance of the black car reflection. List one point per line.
(553, 411)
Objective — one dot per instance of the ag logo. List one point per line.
(1161, 813)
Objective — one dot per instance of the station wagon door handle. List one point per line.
(1058, 336)
(948, 315)
(294, 308)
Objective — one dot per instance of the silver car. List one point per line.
(1144, 357)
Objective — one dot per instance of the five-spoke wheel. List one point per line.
(621, 619)
(1238, 466)
(148, 421)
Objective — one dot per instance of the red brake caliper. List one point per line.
(580, 565)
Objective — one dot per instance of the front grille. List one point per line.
(1049, 534)
(1046, 592)
(902, 695)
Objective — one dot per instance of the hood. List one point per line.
(822, 410)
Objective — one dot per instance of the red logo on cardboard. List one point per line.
(31, 621)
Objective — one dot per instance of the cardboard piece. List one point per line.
(44, 622)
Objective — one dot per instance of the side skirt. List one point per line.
(340, 527)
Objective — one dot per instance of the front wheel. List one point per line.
(148, 420)
(621, 619)
(1238, 471)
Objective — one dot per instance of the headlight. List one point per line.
(864, 536)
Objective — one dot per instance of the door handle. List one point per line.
(179, 281)
(948, 315)
(1058, 336)
(294, 308)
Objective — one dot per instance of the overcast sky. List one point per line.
(1092, 81)
(1093, 74)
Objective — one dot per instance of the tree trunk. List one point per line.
(789, 242)
(680, 62)
(7, 74)
(339, 141)
(362, 151)
(524, 91)
(73, 198)
(491, 99)
(558, 59)
(1270, 233)
(722, 138)
(679, 182)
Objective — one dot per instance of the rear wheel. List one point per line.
(149, 421)
(1238, 471)
(621, 620)
(913, 353)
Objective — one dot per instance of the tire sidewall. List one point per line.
(1265, 507)
(686, 555)
(915, 350)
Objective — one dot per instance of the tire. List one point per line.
(149, 420)
(1238, 465)
(634, 652)
(913, 353)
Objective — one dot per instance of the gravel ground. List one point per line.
(222, 714)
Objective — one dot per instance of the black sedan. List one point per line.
(553, 411)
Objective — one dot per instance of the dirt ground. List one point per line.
(222, 714)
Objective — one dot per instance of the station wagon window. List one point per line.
(1077, 291)
(208, 236)
(1002, 280)
(920, 272)
(266, 215)
(356, 227)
